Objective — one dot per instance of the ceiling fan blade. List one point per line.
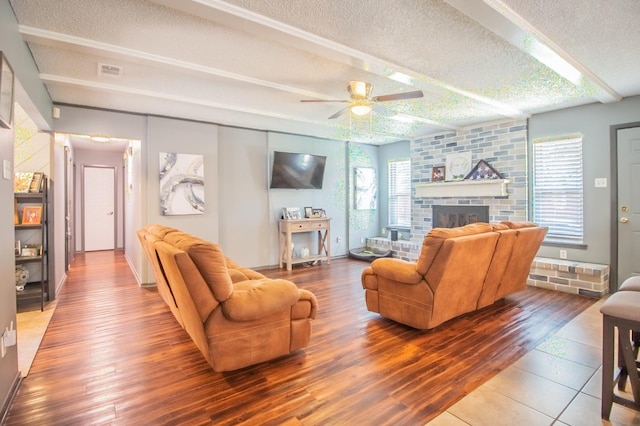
(385, 112)
(323, 100)
(339, 113)
(398, 96)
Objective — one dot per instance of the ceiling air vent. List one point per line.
(106, 70)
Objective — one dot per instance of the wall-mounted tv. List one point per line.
(297, 171)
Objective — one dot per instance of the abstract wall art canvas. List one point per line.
(181, 184)
(366, 188)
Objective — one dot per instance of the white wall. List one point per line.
(332, 197)
(183, 137)
(9, 364)
(33, 96)
(58, 225)
(366, 223)
(244, 217)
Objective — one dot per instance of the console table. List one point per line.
(292, 226)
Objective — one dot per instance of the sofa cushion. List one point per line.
(518, 225)
(159, 231)
(435, 238)
(500, 226)
(209, 260)
(255, 299)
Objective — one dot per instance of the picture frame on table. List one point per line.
(318, 213)
(6, 92)
(291, 213)
(32, 215)
(308, 212)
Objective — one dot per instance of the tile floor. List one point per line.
(31, 326)
(557, 383)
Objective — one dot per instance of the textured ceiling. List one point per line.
(249, 62)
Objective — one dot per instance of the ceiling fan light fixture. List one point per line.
(361, 109)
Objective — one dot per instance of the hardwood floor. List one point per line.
(113, 354)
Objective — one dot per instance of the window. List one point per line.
(399, 194)
(558, 188)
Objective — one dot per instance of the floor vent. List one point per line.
(106, 70)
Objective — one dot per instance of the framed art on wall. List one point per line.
(6, 92)
(181, 184)
(366, 188)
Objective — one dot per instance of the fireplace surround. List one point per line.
(452, 216)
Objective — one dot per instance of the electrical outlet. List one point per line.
(563, 254)
(384, 231)
(601, 182)
(338, 239)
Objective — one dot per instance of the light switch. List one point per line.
(601, 182)
(7, 170)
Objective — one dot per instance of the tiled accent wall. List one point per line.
(401, 249)
(501, 144)
(587, 279)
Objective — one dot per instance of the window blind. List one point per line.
(558, 192)
(399, 193)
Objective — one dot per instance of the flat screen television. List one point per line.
(297, 171)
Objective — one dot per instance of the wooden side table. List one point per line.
(287, 227)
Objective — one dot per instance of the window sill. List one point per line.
(564, 244)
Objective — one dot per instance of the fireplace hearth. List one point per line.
(454, 216)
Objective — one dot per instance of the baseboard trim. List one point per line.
(9, 398)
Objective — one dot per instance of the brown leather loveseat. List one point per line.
(459, 270)
(236, 316)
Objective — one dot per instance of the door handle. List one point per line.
(624, 220)
(110, 214)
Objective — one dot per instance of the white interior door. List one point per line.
(628, 203)
(99, 208)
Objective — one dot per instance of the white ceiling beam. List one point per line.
(54, 39)
(503, 21)
(112, 88)
(335, 51)
(50, 38)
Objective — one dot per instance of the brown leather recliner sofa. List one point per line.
(459, 270)
(236, 316)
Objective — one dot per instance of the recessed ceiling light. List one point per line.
(402, 78)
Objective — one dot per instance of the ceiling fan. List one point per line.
(361, 103)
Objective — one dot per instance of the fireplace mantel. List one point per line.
(464, 188)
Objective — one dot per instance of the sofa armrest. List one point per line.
(397, 270)
(255, 299)
(306, 307)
